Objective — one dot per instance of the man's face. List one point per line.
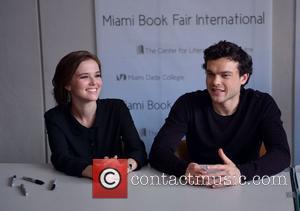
(223, 81)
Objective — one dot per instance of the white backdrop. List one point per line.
(152, 51)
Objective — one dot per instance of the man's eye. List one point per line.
(226, 75)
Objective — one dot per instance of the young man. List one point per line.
(224, 126)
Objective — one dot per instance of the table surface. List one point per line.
(74, 193)
(297, 183)
(297, 169)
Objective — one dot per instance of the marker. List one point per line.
(53, 184)
(36, 181)
(12, 180)
(23, 189)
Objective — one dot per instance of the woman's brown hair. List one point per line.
(64, 71)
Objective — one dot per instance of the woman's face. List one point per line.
(86, 83)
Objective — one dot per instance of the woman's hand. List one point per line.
(132, 165)
(87, 172)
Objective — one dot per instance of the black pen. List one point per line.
(36, 181)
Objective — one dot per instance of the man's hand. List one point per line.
(224, 175)
(194, 174)
(214, 176)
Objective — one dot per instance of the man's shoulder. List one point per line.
(192, 100)
(257, 95)
(259, 101)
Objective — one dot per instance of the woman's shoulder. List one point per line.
(111, 108)
(111, 103)
(57, 112)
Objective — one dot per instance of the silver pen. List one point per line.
(12, 180)
(53, 185)
(23, 189)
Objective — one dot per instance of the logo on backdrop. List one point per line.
(149, 105)
(148, 77)
(110, 178)
(145, 132)
(121, 77)
(142, 49)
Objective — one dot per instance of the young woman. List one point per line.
(83, 127)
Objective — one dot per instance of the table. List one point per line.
(74, 193)
(296, 182)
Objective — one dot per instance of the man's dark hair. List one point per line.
(231, 51)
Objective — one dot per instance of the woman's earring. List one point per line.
(68, 97)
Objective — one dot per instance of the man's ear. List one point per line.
(244, 78)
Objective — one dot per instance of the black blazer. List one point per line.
(73, 146)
